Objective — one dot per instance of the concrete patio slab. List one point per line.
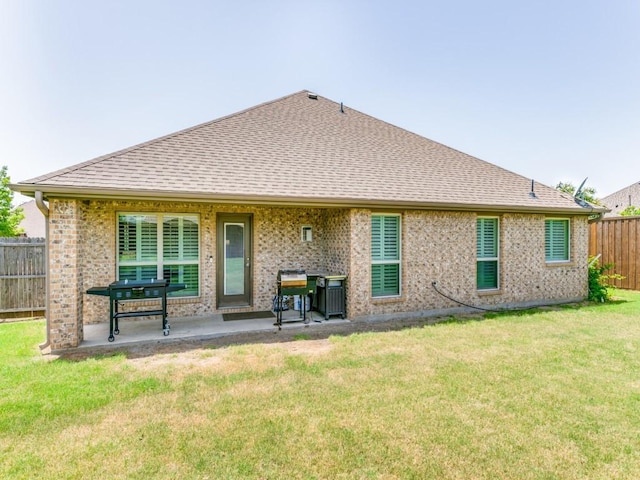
(137, 331)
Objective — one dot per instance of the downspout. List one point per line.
(45, 211)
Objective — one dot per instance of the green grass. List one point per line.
(542, 394)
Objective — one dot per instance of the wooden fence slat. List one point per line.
(22, 275)
(617, 240)
(624, 252)
(617, 259)
(634, 231)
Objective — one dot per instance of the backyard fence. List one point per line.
(22, 276)
(617, 240)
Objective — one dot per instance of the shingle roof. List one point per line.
(623, 198)
(299, 150)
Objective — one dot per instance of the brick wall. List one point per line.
(526, 275)
(436, 246)
(65, 273)
(277, 244)
(441, 247)
(338, 241)
(359, 291)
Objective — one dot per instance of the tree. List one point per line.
(630, 211)
(10, 217)
(588, 193)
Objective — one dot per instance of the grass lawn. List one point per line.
(535, 395)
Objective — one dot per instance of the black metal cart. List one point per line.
(291, 282)
(136, 290)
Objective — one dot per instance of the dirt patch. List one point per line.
(11, 317)
(294, 340)
(305, 347)
(188, 361)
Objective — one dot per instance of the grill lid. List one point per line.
(292, 278)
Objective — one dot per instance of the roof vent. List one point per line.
(312, 96)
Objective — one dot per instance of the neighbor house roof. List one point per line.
(302, 149)
(626, 197)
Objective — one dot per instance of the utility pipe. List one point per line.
(45, 211)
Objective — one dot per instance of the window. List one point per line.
(385, 255)
(487, 234)
(160, 246)
(556, 240)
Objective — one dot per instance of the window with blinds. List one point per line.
(160, 246)
(487, 245)
(385, 255)
(556, 240)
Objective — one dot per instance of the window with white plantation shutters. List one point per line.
(137, 247)
(556, 240)
(385, 255)
(487, 235)
(160, 246)
(180, 251)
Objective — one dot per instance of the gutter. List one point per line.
(106, 193)
(47, 308)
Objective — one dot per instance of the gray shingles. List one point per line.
(307, 151)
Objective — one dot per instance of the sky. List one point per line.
(549, 89)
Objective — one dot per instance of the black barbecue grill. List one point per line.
(136, 290)
(291, 282)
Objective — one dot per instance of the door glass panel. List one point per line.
(234, 259)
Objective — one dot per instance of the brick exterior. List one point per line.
(436, 246)
(65, 273)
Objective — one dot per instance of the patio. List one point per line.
(149, 330)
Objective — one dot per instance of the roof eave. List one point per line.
(56, 191)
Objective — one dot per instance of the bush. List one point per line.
(630, 211)
(599, 282)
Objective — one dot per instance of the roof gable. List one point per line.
(302, 149)
(623, 198)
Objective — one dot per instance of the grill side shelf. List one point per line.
(102, 291)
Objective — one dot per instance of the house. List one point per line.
(626, 197)
(303, 182)
(33, 222)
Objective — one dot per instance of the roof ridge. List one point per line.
(154, 140)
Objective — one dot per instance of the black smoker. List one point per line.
(291, 282)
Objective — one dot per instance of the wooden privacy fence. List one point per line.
(22, 276)
(618, 241)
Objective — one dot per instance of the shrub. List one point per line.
(599, 281)
(630, 211)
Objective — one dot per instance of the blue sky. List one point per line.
(547, 89)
